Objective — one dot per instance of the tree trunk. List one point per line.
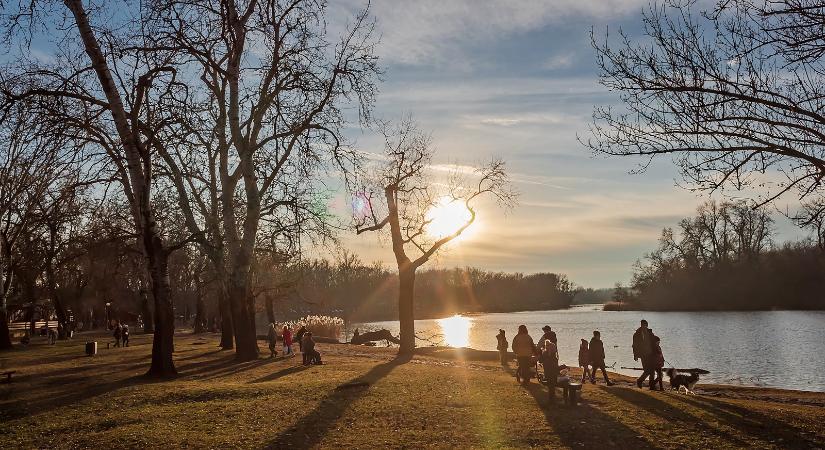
(5, 335)
(227, 330)
(406, 316)
(148, 317)
(200, 314)
(246, 341)
(162, 341)
(270, 313)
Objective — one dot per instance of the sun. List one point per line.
(446, 217)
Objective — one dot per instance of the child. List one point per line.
(584, 361)
(287, 337)
(658, 362)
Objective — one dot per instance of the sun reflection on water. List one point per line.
(456, 330)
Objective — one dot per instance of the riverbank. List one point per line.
(364, 397)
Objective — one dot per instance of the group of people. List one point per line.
(647, 347)
(120, 331)
(591, 355)
(306, 344)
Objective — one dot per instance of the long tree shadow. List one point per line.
(582, 425)
(313, 426)
(28, 406)
(752, 423)
(281, 373)
(672, 414)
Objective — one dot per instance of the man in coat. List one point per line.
(597, 358)
(643, 349)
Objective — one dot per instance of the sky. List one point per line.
(518, 80)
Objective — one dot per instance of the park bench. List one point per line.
(8, 375)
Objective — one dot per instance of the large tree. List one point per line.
(734, 95)
(263, 114)
(102, 91)
(403, 198)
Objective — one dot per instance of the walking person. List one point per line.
(658, 361)
(124, 335)
(524, 348)
(584, 361)
(643, 349)
(502, 347)
(116, 334)
(272, 337)
(597, 358)
(286, 335)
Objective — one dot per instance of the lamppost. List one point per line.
(108, 318)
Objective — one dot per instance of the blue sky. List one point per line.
(518, 80)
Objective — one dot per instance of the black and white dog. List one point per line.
(681, 380)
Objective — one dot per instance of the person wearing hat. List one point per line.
(549, 335)
(502, 346)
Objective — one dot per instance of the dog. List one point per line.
(681, 380)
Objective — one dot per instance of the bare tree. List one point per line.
(402, 198)
(735, 95)
(30, 164)
(262, 116)
(101, 91)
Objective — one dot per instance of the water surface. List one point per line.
(784, 349)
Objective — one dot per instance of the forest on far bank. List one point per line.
(724, 258)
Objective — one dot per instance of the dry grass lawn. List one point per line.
(364, 398)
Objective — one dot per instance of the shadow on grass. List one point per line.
(27, 406)
(673, 414)
(281, 373)
(583, 425)
(313, 426)
(752, 423)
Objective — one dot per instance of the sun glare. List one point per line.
(456, 330)
(447, 217)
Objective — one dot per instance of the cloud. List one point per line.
(427, 31)
(557, 62)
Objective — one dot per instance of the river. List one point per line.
(783, 349)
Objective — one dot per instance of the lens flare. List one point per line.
(456, 330)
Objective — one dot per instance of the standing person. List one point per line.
(116, 334)
(550, 361)
(643, 349)
(524, 348)
(658, 361)
(597, 358)
(549, 335)
(286, 335)
(272, 337)
(124, 335)
(300, 337)
(502, 347)
(584, 361)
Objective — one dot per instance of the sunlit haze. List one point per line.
(517, 80)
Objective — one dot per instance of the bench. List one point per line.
(8, 375)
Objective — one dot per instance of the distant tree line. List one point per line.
(724, 258)
(360, 292)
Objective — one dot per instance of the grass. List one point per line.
(365, 397)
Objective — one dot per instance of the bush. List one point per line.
(326, 326)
